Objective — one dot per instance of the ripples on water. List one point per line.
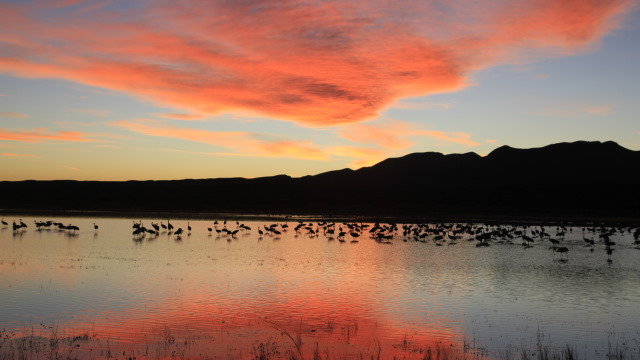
(241, 296)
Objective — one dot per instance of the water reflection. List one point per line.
(238, 291)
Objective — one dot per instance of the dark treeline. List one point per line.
(580, 180)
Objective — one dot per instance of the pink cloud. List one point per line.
(42, 135)
(316, 63)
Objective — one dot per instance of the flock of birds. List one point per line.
(20, 226)
(439, 234)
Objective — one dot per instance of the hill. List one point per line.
(581, 180)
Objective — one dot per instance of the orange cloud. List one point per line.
(362, 156)
(42, 135)
(20, 155)
(316, 63)
(13, 114)
(242, 142)
(178, 116)
(451, 137)
(396, 134)
(387, 136)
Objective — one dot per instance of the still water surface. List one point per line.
(213, 295)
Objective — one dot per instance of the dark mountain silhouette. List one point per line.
(586, 180)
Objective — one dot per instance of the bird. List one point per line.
(562, 250)
(609, 252)
(95, 227)
(4, 223)
(188, 226)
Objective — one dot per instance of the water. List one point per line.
(214, 295)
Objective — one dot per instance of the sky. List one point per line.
(162, 90)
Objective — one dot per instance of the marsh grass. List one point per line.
(49, 343)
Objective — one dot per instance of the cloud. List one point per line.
(42, 135)
(541, 76)
(391, 136)
(91, 112)
(406, 105)
(363, 156)
(20, 155)
(13, 114)
(179, 116)
(599, 110)
(316, 63)
(576, 110)
(108, 147)
(396, 135)
(449, 137)
(242, 142)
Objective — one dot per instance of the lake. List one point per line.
(427, 291)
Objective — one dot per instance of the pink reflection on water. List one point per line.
(201, 327)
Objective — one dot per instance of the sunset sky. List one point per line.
(120, 90)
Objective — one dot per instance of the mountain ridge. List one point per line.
(595, 179)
